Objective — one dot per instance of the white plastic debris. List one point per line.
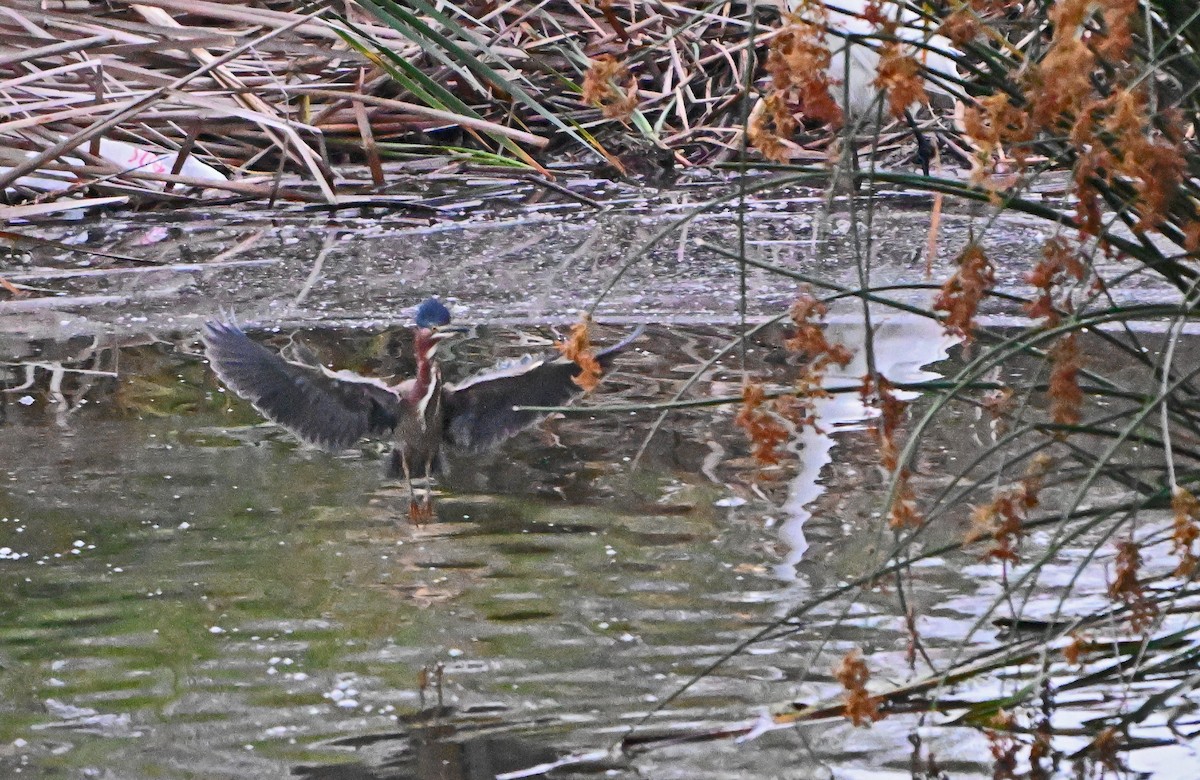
(127, 157)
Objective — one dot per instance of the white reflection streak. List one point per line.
(542, 769)
(904, 344)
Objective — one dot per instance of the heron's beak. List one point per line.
(443, 332)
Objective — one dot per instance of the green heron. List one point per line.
(333, 410)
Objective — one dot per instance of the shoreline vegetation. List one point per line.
(179, 103)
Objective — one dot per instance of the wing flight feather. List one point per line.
(325, 409)
(479, 410)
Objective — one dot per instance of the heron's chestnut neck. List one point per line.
(424, 344)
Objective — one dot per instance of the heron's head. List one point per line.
(433, 325)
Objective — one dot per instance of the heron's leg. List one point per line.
(428, 506)
(414, 512)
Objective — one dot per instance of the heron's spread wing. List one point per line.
(479, 411)
(480, 414)
(328, 410)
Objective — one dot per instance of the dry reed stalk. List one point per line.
(294, 146)
(431, 113)
(275, 87)
(57, 150)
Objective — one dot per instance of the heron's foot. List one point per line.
(420, 511)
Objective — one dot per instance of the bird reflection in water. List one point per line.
(437, 749)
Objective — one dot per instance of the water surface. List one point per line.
(186, 592)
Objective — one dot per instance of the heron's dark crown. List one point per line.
(431, 314)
